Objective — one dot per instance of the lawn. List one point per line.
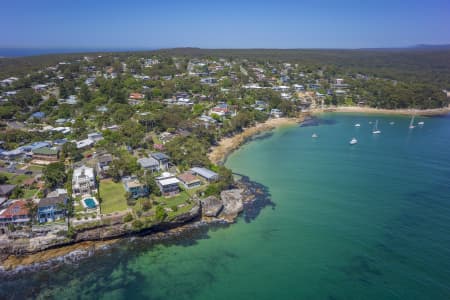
(29, 193)
(175, 200)
(15, 179)
(35, 168)
(113, 196)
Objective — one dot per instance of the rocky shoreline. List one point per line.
(19, 258)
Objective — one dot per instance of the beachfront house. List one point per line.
(168, 184)
(15, 214)
(51, 209)
(135, 188)
(189, 180)
(276, 113)
(206, 174)
(83, 181)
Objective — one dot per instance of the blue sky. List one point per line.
(224, 24)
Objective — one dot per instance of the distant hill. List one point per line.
(434, 47)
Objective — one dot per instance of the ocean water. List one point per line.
(20, 52)
(369, 221)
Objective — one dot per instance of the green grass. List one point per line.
(15, 179)
(175, 200)
(35, 168)
(113, 196)
(29, 193)
(180, 211)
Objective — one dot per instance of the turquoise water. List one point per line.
(90, 203)
(370, 221)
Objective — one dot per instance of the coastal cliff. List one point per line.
(31, 253)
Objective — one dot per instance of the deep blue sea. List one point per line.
(19, 52)
(369, 221)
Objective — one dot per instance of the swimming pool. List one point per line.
(90, 203)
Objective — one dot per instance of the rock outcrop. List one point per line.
(232, 204)
(211, 206)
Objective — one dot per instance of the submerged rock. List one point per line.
(232, 204)
(211, 206)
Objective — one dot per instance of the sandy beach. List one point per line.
(220, 152)
(371, 110)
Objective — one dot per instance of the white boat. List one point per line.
(375, 128)
(314, 135)
(420, 123)
(353, 141)
(411, 124)
(357, 125)
(391, 123)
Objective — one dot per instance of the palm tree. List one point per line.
(32, 210)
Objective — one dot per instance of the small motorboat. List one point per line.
(357, 125)
(420, 123)
(314, 135)
(353, 141)
(391, 123)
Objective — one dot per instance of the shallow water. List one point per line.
(369, 221)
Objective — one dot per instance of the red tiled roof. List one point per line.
(17, 208)
(136, 96)
(187, 177)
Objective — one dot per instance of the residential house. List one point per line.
(276, 113)
(189, 180)
(207, 119)
(135, 188)
(45, 156)
(163, 160)
(6, 190)
(168, 185)
(103, 163)
(40, 87)
(83, 181)
(51, 209)
(95, 136)
(149, 164)
(38, 115)
(12, 154)
(220, 109)
(84, 143)
(205, 173)
(33, 146)
(136, 96)
(15, 214)
(8, 81)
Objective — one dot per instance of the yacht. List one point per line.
(375, 128)
(411, 124)
(353, 141)
(314, 135)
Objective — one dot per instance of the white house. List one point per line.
(83, 181)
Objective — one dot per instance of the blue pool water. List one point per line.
(90, 203)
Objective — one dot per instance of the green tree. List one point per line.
(54, 175)
(32, 210)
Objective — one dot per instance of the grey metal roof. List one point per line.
(147, 162)
(159, 156)
(206, 173)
